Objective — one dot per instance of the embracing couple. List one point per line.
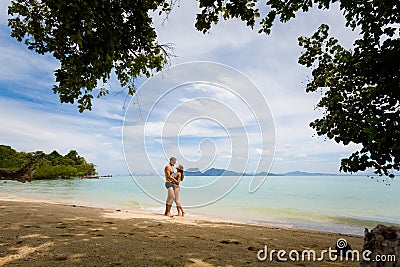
(172, 184)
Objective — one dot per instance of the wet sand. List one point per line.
(43, 234)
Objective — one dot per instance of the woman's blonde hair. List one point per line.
(180, 169)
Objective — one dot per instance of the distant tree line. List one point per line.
(54, 165)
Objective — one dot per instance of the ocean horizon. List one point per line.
(341, 204)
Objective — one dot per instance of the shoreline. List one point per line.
(131, 212)
(150, 212)
(51, 234)
(320, 209)
(126, 213)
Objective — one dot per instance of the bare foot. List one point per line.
(183, 213)
(168, 214)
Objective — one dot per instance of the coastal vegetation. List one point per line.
(43, 166)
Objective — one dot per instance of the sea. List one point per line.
(341, 204)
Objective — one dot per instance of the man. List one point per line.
(169, 184)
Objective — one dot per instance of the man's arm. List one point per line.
(169, 174)
(173, 178)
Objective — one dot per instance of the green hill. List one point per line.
(54, 165)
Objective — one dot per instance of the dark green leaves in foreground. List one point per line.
(90, 39)
(360, 87)
(361, 94)
(53, 166)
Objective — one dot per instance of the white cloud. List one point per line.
(4, 11)
(29, 128)
(193, 45)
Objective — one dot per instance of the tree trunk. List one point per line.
(384, 244)
(25, 173)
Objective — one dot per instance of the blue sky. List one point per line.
(33, 119)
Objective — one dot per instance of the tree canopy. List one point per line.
(54, 165)
(91, 39)
(360, 86)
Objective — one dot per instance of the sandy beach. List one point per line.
(43, 234)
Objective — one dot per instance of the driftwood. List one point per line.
(25, 173)
(382, 245)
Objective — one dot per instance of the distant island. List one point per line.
(223, 172)
(23, 166)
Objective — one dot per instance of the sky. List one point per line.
(32, 117)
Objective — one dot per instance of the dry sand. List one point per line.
(42, 234)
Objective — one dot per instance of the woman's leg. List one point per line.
(178, 204)
(177, 190)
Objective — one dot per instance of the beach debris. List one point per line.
(60, 258)
(251, 248)
(384, 243)
(25, 174)
(230, 241)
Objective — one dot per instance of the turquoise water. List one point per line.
(345, 204)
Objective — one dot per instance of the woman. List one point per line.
(179, 177)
